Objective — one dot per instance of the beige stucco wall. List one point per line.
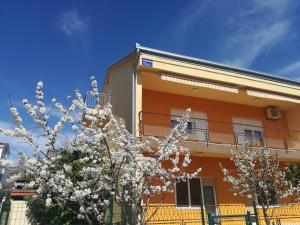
(118, 84)
(293, 121)
(138, 100)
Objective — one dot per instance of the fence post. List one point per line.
(248, 218)
(111, 208)
(255, 213)
(202, 210)
(210, 219)
(4, 214)
(123, 219)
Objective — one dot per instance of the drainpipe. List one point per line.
(133, 81)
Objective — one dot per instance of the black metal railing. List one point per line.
(220, 132)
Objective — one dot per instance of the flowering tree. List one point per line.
(100, 158)
(293, 173)
(259, 176)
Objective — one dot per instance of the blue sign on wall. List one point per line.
(147, 62)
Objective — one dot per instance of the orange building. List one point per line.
(150, 88)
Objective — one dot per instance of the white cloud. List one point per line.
(247, 44)
(257, 30)
(292, 69)
(5, 124)
(71, 23)
(192, 14)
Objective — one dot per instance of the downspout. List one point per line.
(133, 82)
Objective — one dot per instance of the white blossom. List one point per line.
(112, 160)
(258, 174)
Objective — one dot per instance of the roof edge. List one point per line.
(208, 63)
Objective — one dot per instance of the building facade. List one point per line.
(151, 88)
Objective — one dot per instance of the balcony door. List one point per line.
(197, 126)
(248, 131)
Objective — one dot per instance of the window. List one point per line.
(182, 193)
(190, 191)
(268, 198)
(209, 200)
(258, 137)
(248, 135)
(197, 126)
(189, 128)
(248, 131)
(195, 192)
(254, 137)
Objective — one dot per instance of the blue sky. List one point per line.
(63, 43)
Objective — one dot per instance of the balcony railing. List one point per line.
(91, 100)
(218, 132)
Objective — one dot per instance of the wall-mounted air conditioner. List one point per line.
(273, 113)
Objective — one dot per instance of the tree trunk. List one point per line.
(266, 217)
(137, 216)
(88, 219)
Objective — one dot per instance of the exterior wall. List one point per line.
(227, 203)
(293, 121)
(119, 78)
(161, 102)
(118, 84)
(210, 168)
(138, 99)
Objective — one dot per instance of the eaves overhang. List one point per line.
(211, 64)
(139, 49)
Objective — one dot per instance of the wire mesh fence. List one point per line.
(282, 220)
(155, 214)
(14, 212)
(160, 214)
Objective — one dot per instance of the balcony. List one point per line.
(92, 101)
(204, 135)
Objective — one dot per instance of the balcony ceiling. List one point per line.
(153, 81)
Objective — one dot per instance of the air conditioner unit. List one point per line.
(273, 113)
